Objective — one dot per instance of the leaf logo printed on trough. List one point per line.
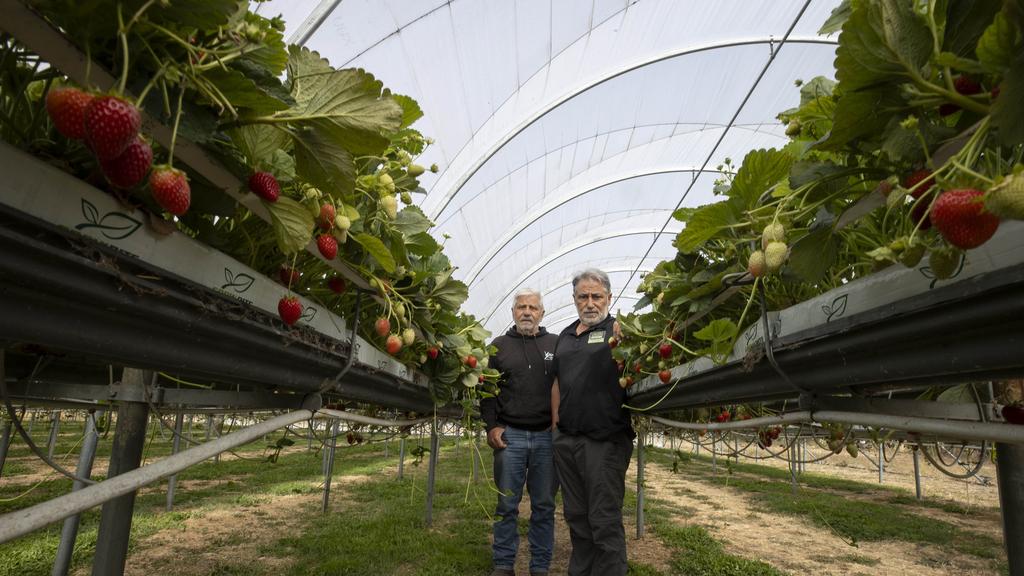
(836, 309)
(308, 313)
(113, 225)
(238, 282)
(926, 271)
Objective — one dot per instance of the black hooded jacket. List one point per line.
(524, 391)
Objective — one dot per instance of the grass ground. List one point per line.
(376, 522)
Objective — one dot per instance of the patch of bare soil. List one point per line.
(793, 545)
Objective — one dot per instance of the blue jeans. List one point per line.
(526, 459)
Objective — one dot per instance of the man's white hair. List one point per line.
(522, 292)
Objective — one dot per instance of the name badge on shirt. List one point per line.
(596, 337)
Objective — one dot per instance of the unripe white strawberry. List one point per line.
(342, 222)
(775, 255)
(756, 265)
(387, 182)
(390, 206)
(408, 336)
(1006, 199)
(340, 235)
(773, 232)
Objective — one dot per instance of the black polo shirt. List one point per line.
(588, 380)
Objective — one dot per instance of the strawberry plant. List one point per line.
(327, 151)
(911, 157)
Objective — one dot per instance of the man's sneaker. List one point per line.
(503, 572)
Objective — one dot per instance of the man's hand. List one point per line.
(494, 439)
(617, 331)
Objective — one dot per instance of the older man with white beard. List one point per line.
(594, 439)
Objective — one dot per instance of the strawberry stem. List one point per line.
(122, 35)
(174, 132)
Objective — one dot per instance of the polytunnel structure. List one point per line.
(312, 218)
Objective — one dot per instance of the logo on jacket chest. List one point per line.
(549, 355)
(596, 337)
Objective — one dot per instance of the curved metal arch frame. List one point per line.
(753, 128)
(636, 213)
(586, 241)
(543, 210)
(572, 92)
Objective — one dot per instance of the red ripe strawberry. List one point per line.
(170, 189)
(471, 361)
(965, 85)
(433, 352)
(289, 309)
(131, 166)
(664, 376)
(629, 381)
(336, 284)
(613, 342)
(327, 245)
(665, 350)
(393, 344)
(917, 176)
(66, 107)
(327, 214)
(264, 185)
(111, 124)
(289, 276)
(961, 218)
(382, 326)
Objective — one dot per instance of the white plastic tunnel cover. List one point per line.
(567, 131)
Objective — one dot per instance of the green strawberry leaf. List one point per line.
(761, 169)
(1007, 113)
(881, 42)
(200, 14)
(998, 45)
(966, 21)
(293, 224)
(376, 249)
(322, 161)
(451, 293)
(862, 114)
(411, 220)
(411, 111)
(703, 224)
(350, 100)
(836, 20)
(259, 143)
(812, 255)
(272, 54)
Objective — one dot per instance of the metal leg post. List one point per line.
(917, 472)
(401, 457)
(5, 443)
(69, 533)
(881, 462)
(330, 464)
(172, 482)
(51, 444)
(116, 515)
(1010, 469)
(431, 471)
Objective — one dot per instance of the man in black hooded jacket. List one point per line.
(518, 421)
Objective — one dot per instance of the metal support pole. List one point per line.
(640, 461)
(5, 443)
(51, 444)
(330, 465)
(69, 533)
(31, 421)
(793, 465)
(126, 454)
(431, 471)
(324, 449)
(172, 482)
(714, 453)
(917, 472)
(401, 458)
(881, 462)
(1010, 470)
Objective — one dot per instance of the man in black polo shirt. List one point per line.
(595, 437)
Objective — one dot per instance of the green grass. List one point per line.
(817, 501)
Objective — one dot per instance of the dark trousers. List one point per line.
(593, 478)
